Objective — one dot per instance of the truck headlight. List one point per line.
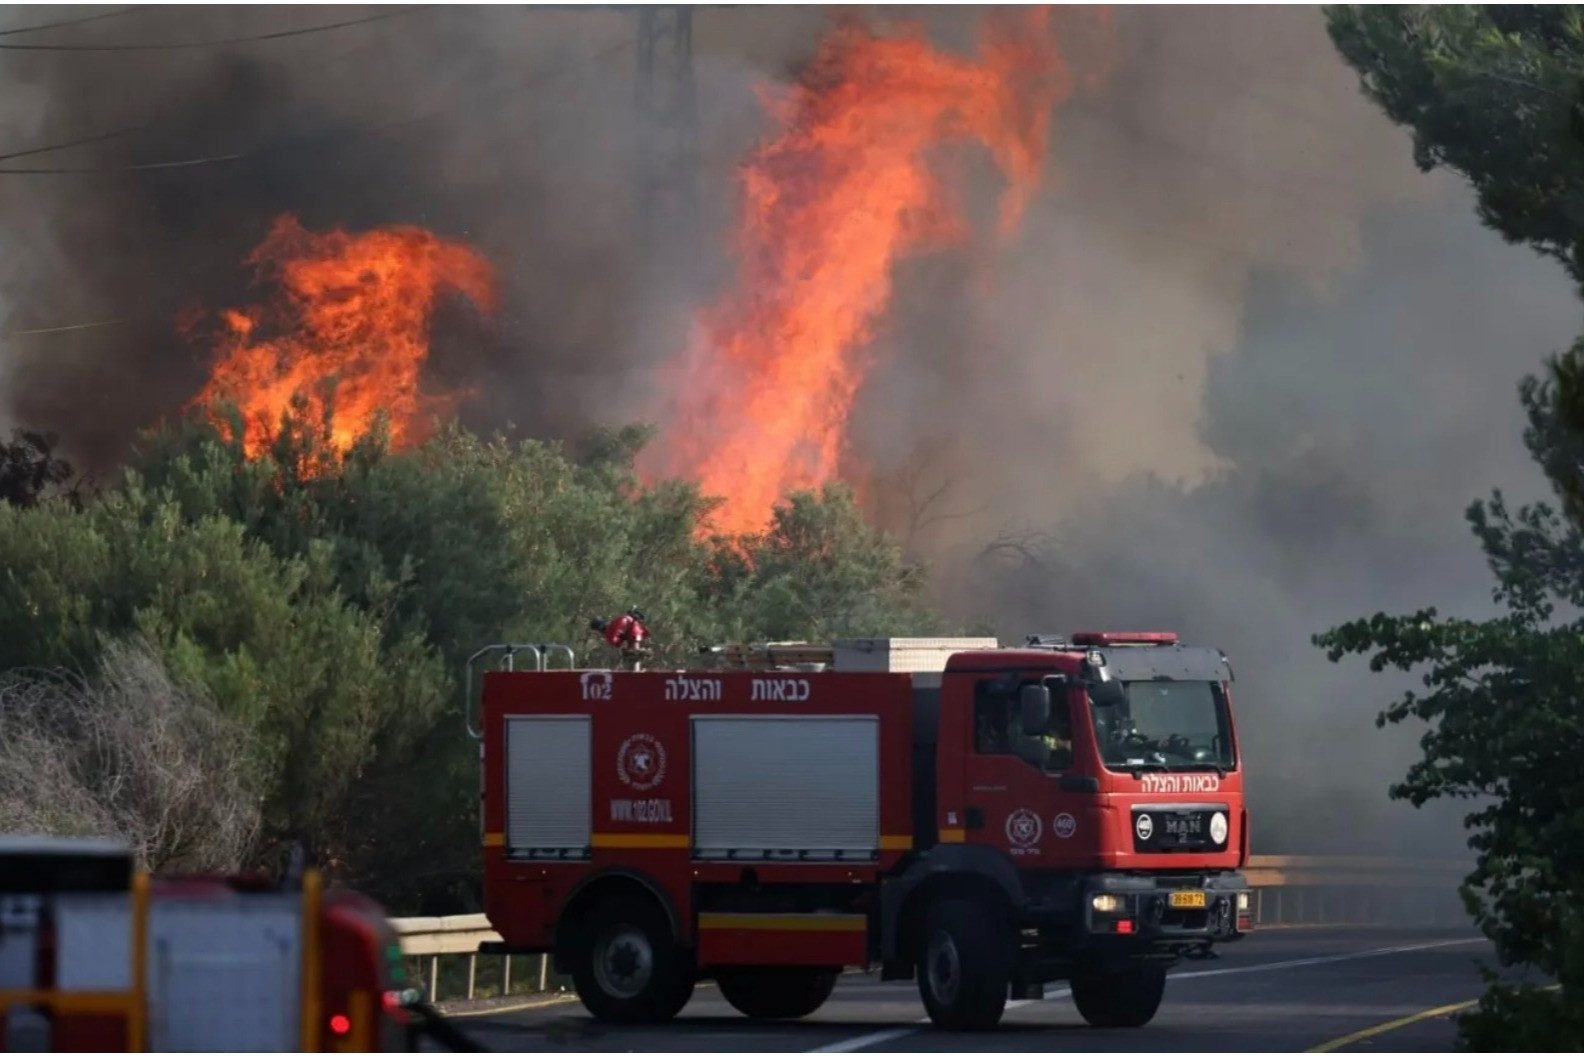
(1242, 902)
(1107, 903)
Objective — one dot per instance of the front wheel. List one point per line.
(965, 965)
(628, 967)
(1126, 998)
(776, 993)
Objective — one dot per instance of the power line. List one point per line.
(1212, 73)
(536, 79)
(175, 46)
(147, 166)
(83, 141)
(63, 329)
(75, 21)
(300, 140)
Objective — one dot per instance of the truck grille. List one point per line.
(1180, 828)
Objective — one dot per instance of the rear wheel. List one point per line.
(1128, 997)
(628, 967)
(965, 965)
(776, 992)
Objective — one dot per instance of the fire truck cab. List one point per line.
(96, 956)
(984, 820)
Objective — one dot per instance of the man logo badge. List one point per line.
(1144, 826)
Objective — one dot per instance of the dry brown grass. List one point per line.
(128, 753)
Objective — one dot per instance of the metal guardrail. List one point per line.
(1289, 891)
(1298, 890)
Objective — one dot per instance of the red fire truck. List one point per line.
(986, 820)
(96, 956)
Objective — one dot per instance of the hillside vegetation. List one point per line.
(218, 657)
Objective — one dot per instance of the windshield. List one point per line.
(1166, 725)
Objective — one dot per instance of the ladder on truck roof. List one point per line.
(772, 656)
(847, 654)
(541, 652)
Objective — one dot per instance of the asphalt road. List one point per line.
(1278, 991)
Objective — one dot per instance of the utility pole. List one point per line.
(667, 115)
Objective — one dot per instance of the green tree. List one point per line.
(1493, 94)
(1504, 703)
(270, 639)
(327, 601)
(416, 543)
(821, 572)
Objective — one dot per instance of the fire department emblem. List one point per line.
(1023, 828)
(641, 762)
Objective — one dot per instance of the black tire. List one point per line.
(965, 956)
(1126, 998)
(776, 992)
(627, 966)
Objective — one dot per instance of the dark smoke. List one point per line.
(1239, 378)
(1238, 375)
(506, 128)
(1355, 429)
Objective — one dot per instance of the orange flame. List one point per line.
(353, 312)
(832, 202)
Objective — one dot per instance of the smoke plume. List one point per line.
(510, 130)
(1240, 379)
(1236, 373)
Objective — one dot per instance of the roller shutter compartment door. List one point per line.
(786, 787)
(549, 808)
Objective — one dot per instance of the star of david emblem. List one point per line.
(1023, 828)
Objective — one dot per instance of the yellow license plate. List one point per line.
(1188, 899)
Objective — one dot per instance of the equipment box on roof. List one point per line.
(901, 654)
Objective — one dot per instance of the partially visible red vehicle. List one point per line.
(96, 956)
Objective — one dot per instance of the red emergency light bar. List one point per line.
(1124, 638)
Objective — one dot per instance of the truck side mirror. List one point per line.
(1107, 694)
(1035, 702)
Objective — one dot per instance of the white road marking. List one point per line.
(880, 1037)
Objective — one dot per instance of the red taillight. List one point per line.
(390, 1000)
(340, 1025)
(1124, 927)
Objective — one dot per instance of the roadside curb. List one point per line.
(494, 1006)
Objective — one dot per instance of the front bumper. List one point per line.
(1213, 908)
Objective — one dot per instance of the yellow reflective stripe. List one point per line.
(673, 840)
(86, 1002)
(360, 1010)
(642, 840)
(953, 835)
(137, 1020)
(783, 921)
(494, 839)
(312, 889)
